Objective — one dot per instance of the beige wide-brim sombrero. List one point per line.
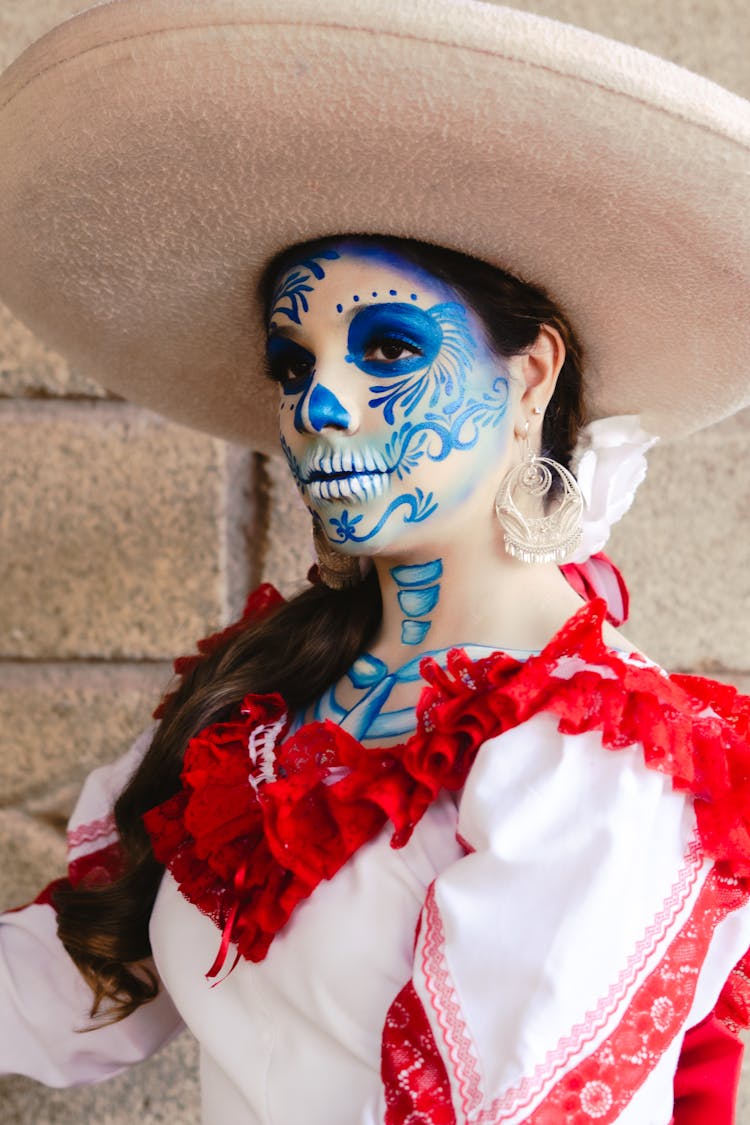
(155, 154)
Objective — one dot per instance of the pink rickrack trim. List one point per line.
(462, 1051)
(91, 832)
(598, 1088)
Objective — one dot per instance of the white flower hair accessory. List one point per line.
(609, 463)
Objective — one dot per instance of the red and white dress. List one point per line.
(531, 911)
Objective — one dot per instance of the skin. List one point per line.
(399, 422)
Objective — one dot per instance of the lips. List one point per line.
(350, 475)
(348, 486)
(328, 463)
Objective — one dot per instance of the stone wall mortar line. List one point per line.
(239, 531)
(53, 408)
(264, 510)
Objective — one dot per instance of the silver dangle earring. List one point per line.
(336, 571)
(539, 507)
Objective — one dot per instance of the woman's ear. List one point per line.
(537, 370)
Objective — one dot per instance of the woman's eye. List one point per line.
(288, 363)
(298, 369)
(391, 350)
(286, 373)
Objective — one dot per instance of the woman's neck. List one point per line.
(431, 603)
(434, 601)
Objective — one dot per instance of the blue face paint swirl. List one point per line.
(419, 506)
(291, 294)
(442, 350)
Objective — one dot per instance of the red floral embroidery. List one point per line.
(415, 1081)
(97, 868)
(598, 1086)
(733, 1007)
(246, 845)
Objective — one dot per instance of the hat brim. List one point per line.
(157, 155)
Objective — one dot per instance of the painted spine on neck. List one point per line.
(418, 595)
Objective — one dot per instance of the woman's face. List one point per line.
(393, 408)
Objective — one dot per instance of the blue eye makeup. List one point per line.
(289, 364)
(383, 328)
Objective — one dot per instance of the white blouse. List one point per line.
(582, 879)
(554, 930)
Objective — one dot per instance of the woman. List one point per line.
(505, 884)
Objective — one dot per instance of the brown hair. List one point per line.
(298, 650)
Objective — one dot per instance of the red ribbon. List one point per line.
(598, 577)
(226, 933)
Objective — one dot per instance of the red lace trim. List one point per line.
(733, 1007)
(415, 1081)
(599, 1088)
(248, 837)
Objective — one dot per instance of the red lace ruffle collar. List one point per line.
(263, 816)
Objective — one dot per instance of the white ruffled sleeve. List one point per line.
(44, 1001)
(558, 964)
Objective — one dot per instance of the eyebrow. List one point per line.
(285, 332)
(289, 331)
(349, 315)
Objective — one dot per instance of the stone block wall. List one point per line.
(123, 538)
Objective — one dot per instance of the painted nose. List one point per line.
(320, 408)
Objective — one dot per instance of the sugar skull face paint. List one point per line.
(392, 403)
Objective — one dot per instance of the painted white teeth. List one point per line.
(363, 486)
(371, 463)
